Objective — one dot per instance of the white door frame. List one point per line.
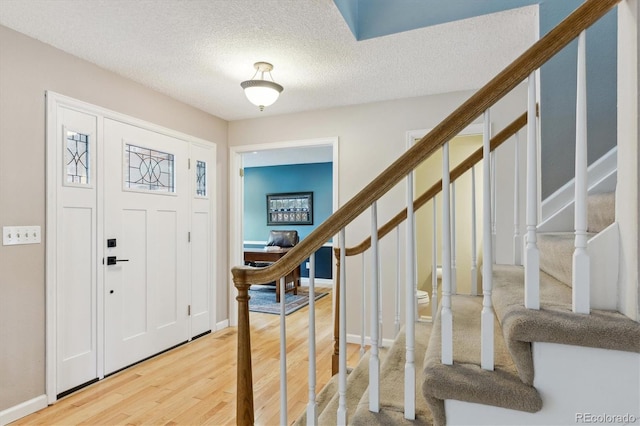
(236, 202)
(53, 102)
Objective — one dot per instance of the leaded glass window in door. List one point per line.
(149, 170)
(201, 178)
(76, 158)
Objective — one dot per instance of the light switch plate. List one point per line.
(14, 235)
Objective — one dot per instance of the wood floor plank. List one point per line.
(195, 384)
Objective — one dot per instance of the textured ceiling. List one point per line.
(198, 51)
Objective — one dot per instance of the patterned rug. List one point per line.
(263, 299)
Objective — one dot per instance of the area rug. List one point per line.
(263, 299)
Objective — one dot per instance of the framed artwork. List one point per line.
(294, 208)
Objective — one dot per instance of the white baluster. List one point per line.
(342, 341)
(493, 201)
(486, 343)
(446, 315)
(454, 281)
(531, 254)
(374, 360)
(283, 354)
(581, 276)
(397, 289)
(363, 307)
(312, 406)
(434, 263)
(411, 297)
(474, 248)
(517, 242)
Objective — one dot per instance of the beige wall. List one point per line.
(371, 137)
(27, 69)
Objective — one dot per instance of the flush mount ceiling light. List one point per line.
(262, 92)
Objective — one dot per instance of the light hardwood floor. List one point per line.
(195, 384)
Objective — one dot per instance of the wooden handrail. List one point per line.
(463, 167)
(532, 59)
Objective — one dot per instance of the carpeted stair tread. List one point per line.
(601, 211)
(554, 322)
(392, 385)
(556, 254)
(356, 383)
(465, 380)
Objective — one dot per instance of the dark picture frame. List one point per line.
(291, 208)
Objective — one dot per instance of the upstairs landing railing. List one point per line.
(522, 68)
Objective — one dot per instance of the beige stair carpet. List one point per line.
(392, 385)
(554, 322)
(465, 380)
(601, 211)
(556, 254)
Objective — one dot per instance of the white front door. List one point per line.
(146, 257)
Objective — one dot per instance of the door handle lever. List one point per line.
(112, 260)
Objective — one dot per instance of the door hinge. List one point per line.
(189, 236)
(189, 163)
(241, 172)
(188, 310)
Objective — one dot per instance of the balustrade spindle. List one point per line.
(581, 274)
(342, 361)
(397, 289)
(532, 256)
(517, 242)
(446, 315)
(474, 254)
(283, 354)
(411, 298)
(492, 155)
(363, 306)
(374, 360)
(454, 279)
(486, 324)
(312, 406)
(434, 263)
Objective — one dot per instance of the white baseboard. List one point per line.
(21, 410)
(325, 282)
(355, 338)
(222, 325)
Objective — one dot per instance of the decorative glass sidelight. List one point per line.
(148, 170)
(76, 158)
(201, 178)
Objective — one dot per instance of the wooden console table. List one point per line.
(291, 281)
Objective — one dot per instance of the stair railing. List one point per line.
(525, 65)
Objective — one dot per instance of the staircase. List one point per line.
(544, 344)
(511, 385)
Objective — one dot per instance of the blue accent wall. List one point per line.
(260, 181)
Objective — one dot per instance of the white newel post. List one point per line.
(517, 242)
(374, 360)
(434, 263)
(486, 344)
(410, 302)
(312, 406)
(446, 315)
(474, 253)
(342, 340)
(531, 254)
(581, 277)
(283, 354)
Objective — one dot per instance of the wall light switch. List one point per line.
(14, 235)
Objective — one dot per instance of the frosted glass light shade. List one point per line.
(261, 93)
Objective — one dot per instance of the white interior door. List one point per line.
(76, 270)
(146, 224)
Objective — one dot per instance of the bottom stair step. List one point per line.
(465, 380)
(392, 385)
